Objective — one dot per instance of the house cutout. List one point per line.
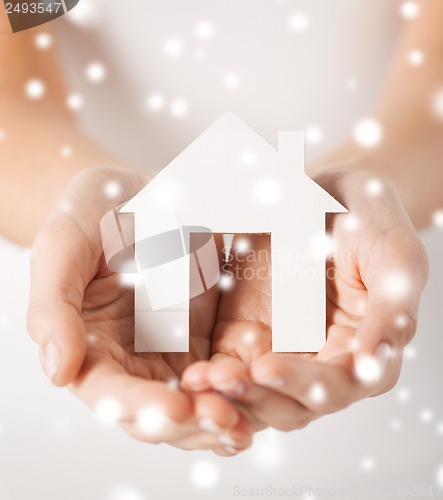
(230, 180)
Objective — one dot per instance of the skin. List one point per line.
(81, 316)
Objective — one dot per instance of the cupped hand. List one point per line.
(82, 318)
(375, 276)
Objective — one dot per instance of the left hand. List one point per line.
(374, 282)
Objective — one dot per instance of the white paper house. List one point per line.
(230, 180)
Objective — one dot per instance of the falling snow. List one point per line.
(96, 72)
(317, 393)
(204, 30)
(314, 135)
(35, 89)
(152, 420)
(231, 80)
(416, 57)
(43, 41)
(368, 369)
(367, 464)
(173, 47)
(410, 9)
(204, 475)
(299, 22)
(368, 133)
(437, 219)
(108, 411)
(74, 101)
(426, 416)
(155, 102)
(112, 189)
(125, 492)
(179, 108)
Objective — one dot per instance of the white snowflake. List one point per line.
(204, 30)
(96, 72)
(317, 393)
(74, 101)
(204, 474)
(108, 411)
(426, 416)
(112, 189)
(125, 492)
(179, 108)
(437, 219)
(35, 89)
(368, 133)
(43, 41)
(173, 47)
(409, 9)
(155, 102)
(231, 80)
(416, 57)
(367, 464)
(299, 22)
(314, 135)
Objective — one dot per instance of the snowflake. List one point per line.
(231, 80)
(314, 135)
(96, 72)
(173, 47)
(43, 41)
(155, 102)
(204, 475)
(416, 57)
(35, 89)
(179, 108)
(108, 411)
(299, 22)
(409, 9)
(204, 30)
(74, 101)
(368, 133)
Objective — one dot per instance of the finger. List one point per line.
(268, 407)
(226, 443)
(395, 276)
(60, 264)
(320, 387)
(195, 377)
(154, 411)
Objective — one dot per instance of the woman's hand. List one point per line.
(375, 277)
(82, 318)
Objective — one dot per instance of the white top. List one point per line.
(277, 64)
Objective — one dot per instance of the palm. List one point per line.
(108, 313)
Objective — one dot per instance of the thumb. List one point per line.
(61, 260)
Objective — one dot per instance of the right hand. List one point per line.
(82, 318)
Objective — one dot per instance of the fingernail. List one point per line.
(227, 440)
(229, 449)
(208, 425)
(235, 387)
(51, 360)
